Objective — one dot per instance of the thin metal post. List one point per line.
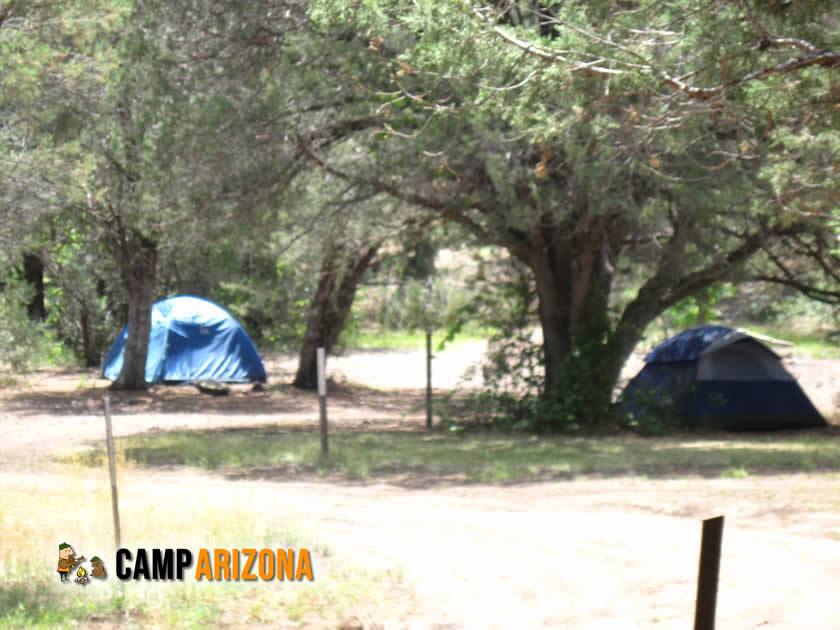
(707, 579)
(429, 379)
(322, 399)
(109, 438)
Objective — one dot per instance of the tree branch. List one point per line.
(512, 239)
(813, 56)
(813, 293)
(691, 283)
(828, 59)
(791, 279)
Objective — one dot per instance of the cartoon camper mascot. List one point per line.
(98, 567)
(66, 561)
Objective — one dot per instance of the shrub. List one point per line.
(22, 342)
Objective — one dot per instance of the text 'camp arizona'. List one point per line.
(215, 564)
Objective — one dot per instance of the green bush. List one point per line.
(23, 343)
(515, 396)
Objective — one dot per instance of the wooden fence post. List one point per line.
(428, 379)
(707, 579)
(109, 438)
(322, 399)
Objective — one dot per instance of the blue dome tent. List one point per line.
(192, 339)
(716, 377)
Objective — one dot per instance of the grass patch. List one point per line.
(735, 473)
(31, 595)
(813, 343)
(405, 339)
(28, 599)
(487, 457)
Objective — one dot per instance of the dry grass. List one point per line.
(80, 505)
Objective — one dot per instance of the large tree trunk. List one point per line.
(551, 275)
(573, 279)
(89, 353)
(584, 351)
(33, 273)
(328, 312)
(138, 269)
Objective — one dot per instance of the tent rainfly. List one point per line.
(191, 340)
(715, 377)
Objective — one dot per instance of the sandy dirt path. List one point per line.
(618, 553)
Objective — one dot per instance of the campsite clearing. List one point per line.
(599, 551)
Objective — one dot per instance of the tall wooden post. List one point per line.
(109, 438)
(707, 580)
(428, 379)
(322, 398)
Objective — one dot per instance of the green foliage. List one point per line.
(697, 308)
(515, 395)
(28, 600)
(268, 295)
(735, 473)
(354, 337)
(809, 340)
(566, 113)
(416, 285)
(81, 307)
(252, 142)
(21, 340)
(653, 416)
(25, 344)
(410, 305)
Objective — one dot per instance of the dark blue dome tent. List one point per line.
(716, 377)
(192, 340)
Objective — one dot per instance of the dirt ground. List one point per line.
(592, 553)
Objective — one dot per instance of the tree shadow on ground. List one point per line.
(275, 398)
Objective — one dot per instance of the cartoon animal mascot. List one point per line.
(98, 567)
